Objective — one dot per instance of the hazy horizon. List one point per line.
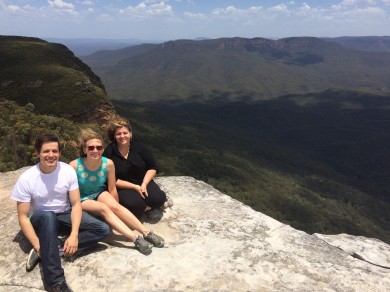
(158, 21)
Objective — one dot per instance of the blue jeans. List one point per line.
(48, 224)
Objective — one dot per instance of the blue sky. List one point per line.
(178, 19)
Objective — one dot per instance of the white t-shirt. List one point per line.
(46, 192)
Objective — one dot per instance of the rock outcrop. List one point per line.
(213, 243)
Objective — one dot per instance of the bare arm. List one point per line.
(141, 189)
(149, 175)
(123, 184)
(71, 244)
(73, 163)
(23, 209)
(111, 180)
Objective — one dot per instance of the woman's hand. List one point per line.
(141, 189)
(144, 189)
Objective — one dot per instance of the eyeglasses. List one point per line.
(98, 148)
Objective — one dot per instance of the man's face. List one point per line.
(49, 154)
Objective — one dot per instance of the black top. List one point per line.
(138, 162)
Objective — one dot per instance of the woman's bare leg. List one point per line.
(98, 208)
(122, 213)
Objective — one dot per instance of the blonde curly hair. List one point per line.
(86, 135)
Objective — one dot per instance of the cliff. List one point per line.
(214, 243)
(52, 78)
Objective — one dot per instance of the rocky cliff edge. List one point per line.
(213, 243)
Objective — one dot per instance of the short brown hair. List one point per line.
(116, 124)
(46, 138)
(86, 135)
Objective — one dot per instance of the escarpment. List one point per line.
(213, 243)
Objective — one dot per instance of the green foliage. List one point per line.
(307, 160)
(50, 77)
(18, 128)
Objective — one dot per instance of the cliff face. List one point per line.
(52, 78)
(249, 44)
(214, 243)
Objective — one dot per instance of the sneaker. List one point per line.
(32, 260)
(167, 204)
(143, 246)
(154, 239)
(61, 287)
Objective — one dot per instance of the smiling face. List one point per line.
(123, 136)
(93, 148)
(48, 156)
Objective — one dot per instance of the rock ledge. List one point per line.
(214, 243)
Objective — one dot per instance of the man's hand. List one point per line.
(71, 245)
(72, 242)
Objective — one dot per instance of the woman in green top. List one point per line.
(99, 197)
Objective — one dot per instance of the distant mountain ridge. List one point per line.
(367, 43)
(233, 69)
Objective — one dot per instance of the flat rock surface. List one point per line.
(213, 243)
(371, 250)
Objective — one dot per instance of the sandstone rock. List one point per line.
(213, 243)
(371, 250)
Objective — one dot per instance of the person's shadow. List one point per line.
(26, 247)
(152, 216)
(24, 244)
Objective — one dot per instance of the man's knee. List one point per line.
(46, 219)
(95, 225)
(105, 229)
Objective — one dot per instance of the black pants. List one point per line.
(133, 201)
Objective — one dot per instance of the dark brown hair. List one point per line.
(46, 138)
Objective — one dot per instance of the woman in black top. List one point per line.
(135, 168)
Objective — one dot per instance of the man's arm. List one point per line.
(71, 244)
(23, 209)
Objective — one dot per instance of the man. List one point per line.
(48, 201)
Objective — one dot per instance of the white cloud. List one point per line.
(226, 11)
(305, 7)
(105, 17)
(279, 8)
(286, 17)
(349, 2)
(60, 4)
(235, 12)
(369, 12)
(254, 9)
(195, 15)
(61, 7)
(25, 10)
(14, 8)
(147, 9)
